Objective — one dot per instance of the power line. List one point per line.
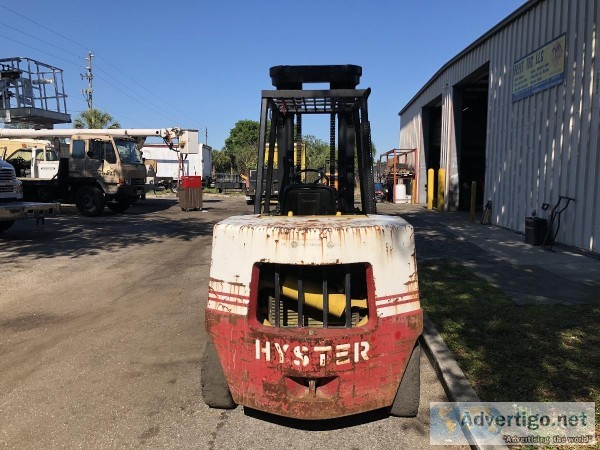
(179, 118)
(39, 50)
(41, 40)
(141, 86)
(160, 111)
(183, 115)
(44, 26)
(79, 66)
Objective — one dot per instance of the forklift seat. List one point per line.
(308, 200)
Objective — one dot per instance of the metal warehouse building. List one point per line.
(518, 112)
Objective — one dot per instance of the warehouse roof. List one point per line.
(504, 23)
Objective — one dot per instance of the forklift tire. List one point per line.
(89, 201)
(119, 207)
(215, 391)
(406, 402)
(6, 225)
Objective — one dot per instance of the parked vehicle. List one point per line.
(12, 206)
(229, 182)
(95, 167)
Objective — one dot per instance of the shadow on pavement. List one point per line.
(319, 425)
(73, 235)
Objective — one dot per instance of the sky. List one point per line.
(202, 64)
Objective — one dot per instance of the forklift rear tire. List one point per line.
(406, 402)
(215, 391)
(89, 201)
(6, 225)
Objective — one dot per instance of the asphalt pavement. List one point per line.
(101, 337)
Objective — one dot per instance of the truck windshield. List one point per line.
(128, 151)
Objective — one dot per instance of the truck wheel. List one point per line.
(119, 207)
(215, 391)
(89, 201)
(6, 225)
(406, 402)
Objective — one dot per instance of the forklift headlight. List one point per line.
(19, 187)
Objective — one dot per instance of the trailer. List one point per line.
(165, 166)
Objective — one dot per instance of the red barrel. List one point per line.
(194, 181)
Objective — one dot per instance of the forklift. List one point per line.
(313, 307)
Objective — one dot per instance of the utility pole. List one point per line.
(206, 135)
(87, 93)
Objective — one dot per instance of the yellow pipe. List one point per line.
(313, 296)
(441, 189)
(430, 175)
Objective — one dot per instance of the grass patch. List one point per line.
(509, 352)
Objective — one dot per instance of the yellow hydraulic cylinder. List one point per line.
(430, 178)
(441, 189)
(313, 296)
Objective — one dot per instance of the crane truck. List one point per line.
(313, 307)
(90, 168)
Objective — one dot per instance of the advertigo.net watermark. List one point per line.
(508, 423)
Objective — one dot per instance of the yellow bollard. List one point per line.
(430, 175)
(441, 189)
(473, 201)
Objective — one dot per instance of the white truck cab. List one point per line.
(12, 207)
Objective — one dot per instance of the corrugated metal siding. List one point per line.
(540, 147)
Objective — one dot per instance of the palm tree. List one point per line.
(94, 118)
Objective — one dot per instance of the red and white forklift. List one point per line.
(313, 302)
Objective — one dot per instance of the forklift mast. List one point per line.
(281, 126)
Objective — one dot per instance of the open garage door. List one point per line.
(470, 114)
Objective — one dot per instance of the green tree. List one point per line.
(246, 158)
(317, 152)
(242, 140)
(94, 118)
(221, 162)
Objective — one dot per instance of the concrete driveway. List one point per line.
(101, 336)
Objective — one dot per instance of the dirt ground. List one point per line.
(101, 336)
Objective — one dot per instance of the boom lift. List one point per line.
(313, 306)
(97, 167)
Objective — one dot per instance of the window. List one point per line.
(78, 149)
(24, 154)
(104, 150)
(109, 153)
(46, 155)
(128, 151)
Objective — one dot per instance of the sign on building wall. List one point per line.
(541, 69)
